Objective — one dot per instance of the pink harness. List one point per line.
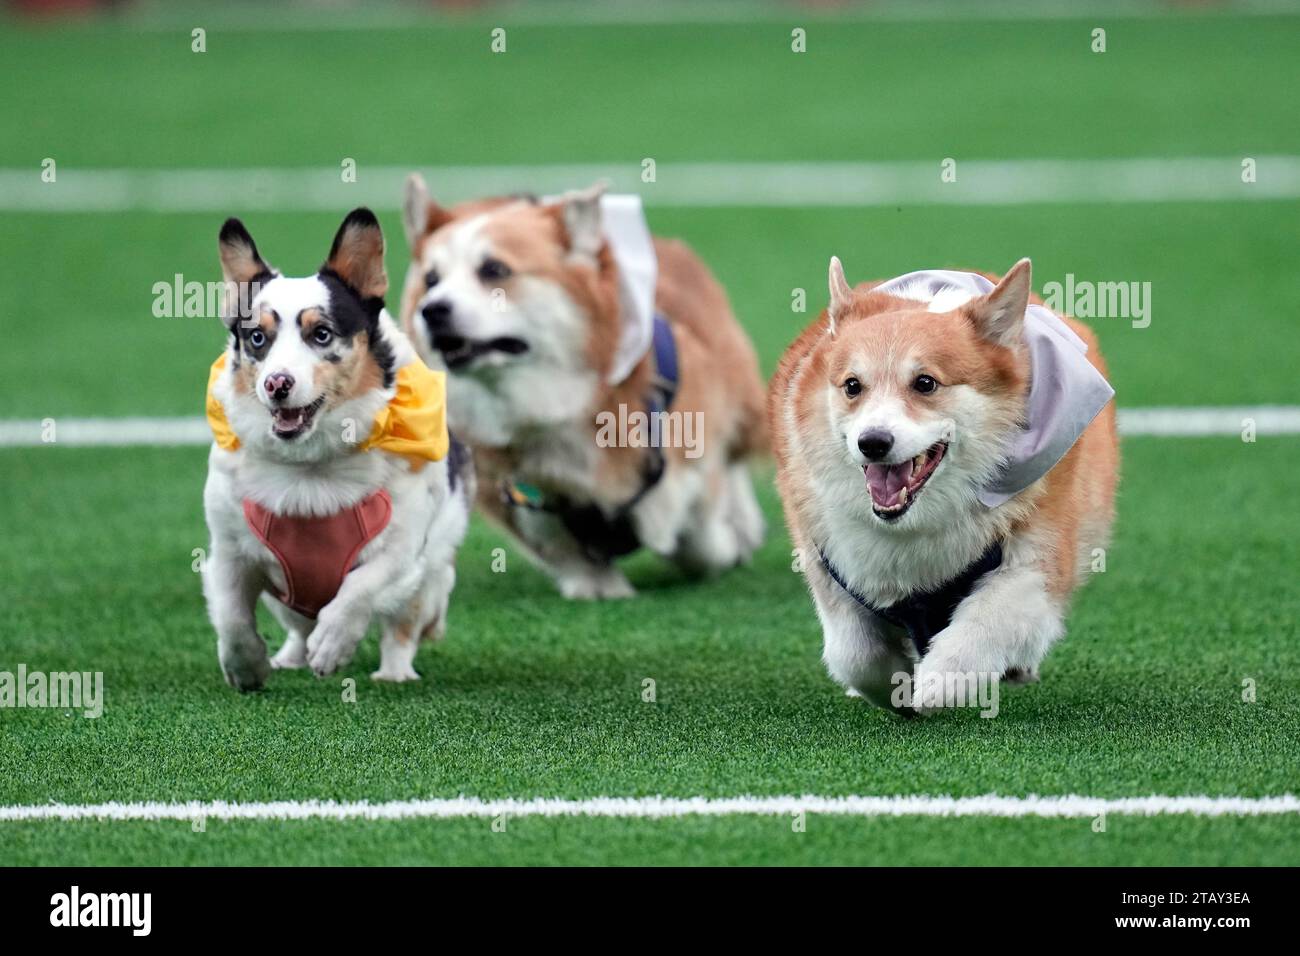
(316, 554)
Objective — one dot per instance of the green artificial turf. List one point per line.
(998, 88)
(728, 841)
(1217, 86)
(1219, 333)
(534, 696)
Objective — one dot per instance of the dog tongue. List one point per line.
(885, 482)
(288, 418)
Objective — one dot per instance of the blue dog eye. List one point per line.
(257, 338)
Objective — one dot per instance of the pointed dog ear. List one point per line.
(240, 260)
(579, 211)
(420, 214)
(1000, 315)
(841, 293)
(357, 255)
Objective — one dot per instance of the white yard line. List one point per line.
(128, 432)
(979, 182)
(88, 432)
(1201, 422)
(1072, 806)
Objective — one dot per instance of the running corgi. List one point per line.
(334, 490)
(947, 457)
(599, 423)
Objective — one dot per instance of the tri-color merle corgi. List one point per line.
(334, 491)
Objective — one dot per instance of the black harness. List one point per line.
(924, 614)
(605, 535)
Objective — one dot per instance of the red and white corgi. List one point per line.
(522, 302)
(947, 457)
(334, 489)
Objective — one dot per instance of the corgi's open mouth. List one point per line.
(288, 423)
(894, 488)
(458, 352)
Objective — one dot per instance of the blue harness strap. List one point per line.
(664, 346)
(925, 613)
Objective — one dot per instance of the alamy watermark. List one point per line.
(653, 429)
(65, 690)
(76, 908)
(948, 689)
(1085, 299)
(213, 299)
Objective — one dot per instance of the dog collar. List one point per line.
(1066, 392)
(923, 614)
(413, 424)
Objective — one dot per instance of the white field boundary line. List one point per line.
(654, 808)
(184, 431)
(979, 182)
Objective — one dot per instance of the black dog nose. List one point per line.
(437, 315)
(875, 443)
(279, 385)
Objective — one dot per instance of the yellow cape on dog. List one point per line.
(413, 424)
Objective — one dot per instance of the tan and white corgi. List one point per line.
(947, 457)
(523, 302)
(334, 490)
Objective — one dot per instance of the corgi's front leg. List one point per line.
(856, 647)
(1007, 624)
(343, 622)
(231, 587)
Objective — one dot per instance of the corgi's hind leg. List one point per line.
(293, 652)
(398, 643)
(437, 599)
(724, 525)
(709, 547)
(746, 515)
(425, 618)
(440, 578)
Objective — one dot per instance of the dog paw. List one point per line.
(291, 656)
(597, 587)
(329, 648)
(395, 675)
(950, 680)
(1021, 675)
(245, 671)
(928, 691)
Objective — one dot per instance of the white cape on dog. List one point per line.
(1065, 394)
(638, 269)
(628, 235)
